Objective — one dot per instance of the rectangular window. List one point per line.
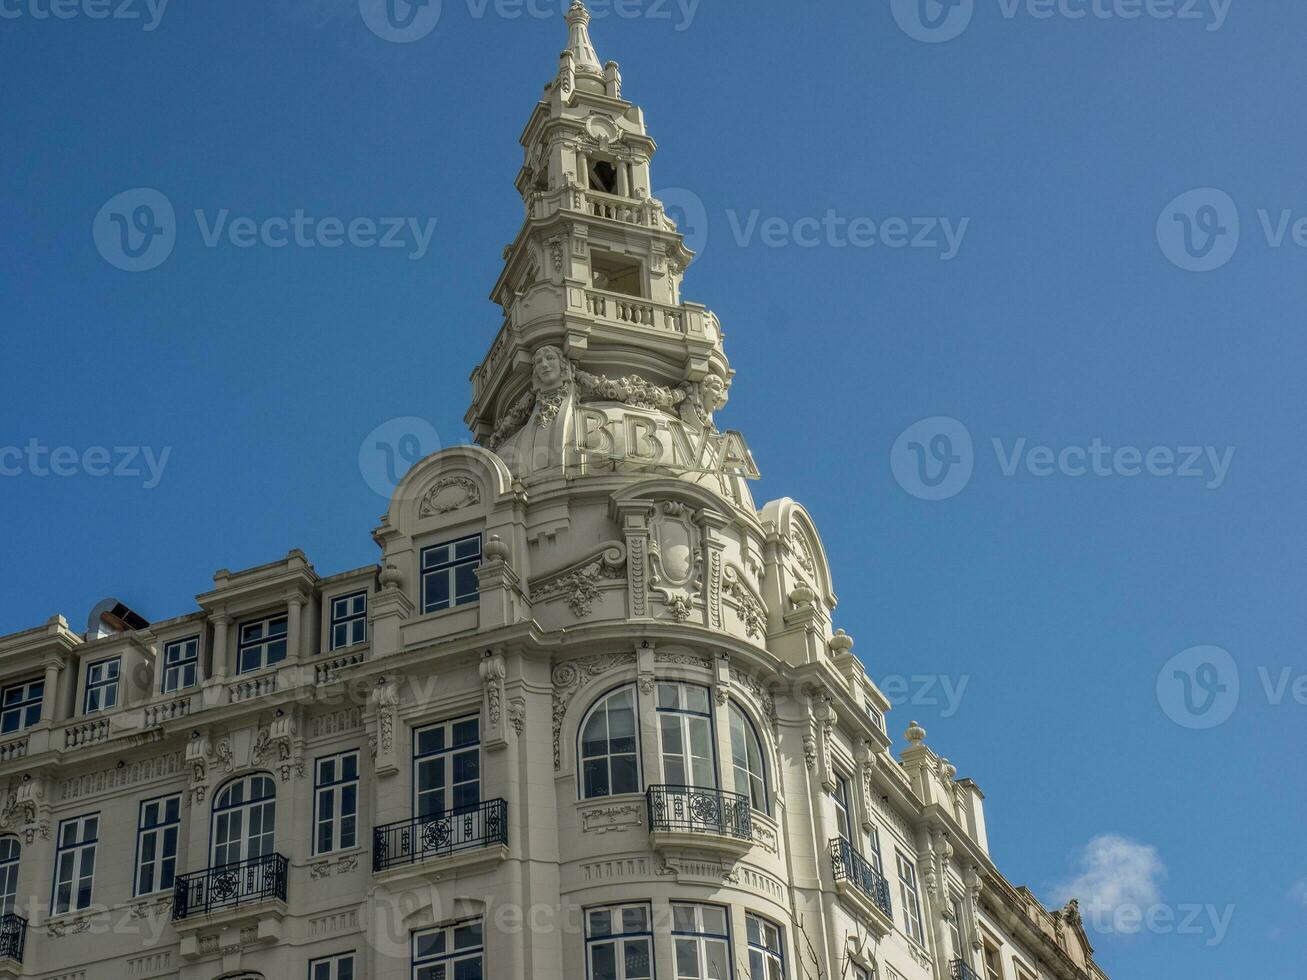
(455, 952)
(843, 818)
(181, 665)
(333, 968)
(262, 644)
(156, 844)
(102, 685)
(766, 949)
(336, 802)
(957, 927)
(449, 574)
(619, 943)
(1023, 972)
(874, 714)
(993, 962)
(873, 850)
(349, 620)
(685, 726)
(446, 767)
(701, 942)
(74, 864)
(911, 904)
(20, 706)
(862, 973)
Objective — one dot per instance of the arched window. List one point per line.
(746, 758)
(244, 819)
(609, 750)
(10, 851)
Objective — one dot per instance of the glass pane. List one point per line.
(626, 776)
(637, 959)
(600, 923)
(696, 698)
(714, 920)
(719, 958)
(687, 959)
(595, 778)
(668, 696)
(603, 961)
(635, 920)
(465, 582)
(467, 732)
(683, 918)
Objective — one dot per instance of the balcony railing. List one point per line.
(852, 867)
(13, 937)
(960, 971)
(229, 886)
(699, 810)
(439, 835)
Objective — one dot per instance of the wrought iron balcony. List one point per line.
(852, 867)
(960, 971)
(699, 810)
(441, 834)
(229, 886)
(13, 937)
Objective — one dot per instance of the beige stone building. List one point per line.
(588, 716)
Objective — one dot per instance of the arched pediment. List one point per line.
(792, 523)
(448, 486)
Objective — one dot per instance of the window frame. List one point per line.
(619, 939)
(910, 897)
(446, 754)
(734, 709)
(333, 963)
(78, 851)
(158, 831)
(602, 700)
(180, 665)
(262, 643)
(246, 806)
(10, 867)
(23, 706)
(103, 684)
(686, 717)
(349, 620)
(701, 935)
(450, 569)
(776, 955)
(452, 955)
(335, 791)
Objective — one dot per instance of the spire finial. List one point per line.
(585, 58)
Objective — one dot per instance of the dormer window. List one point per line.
(349, 620)
(262, 644)
(102, 685)
(20, 706)
(181, 665)
(449, 574)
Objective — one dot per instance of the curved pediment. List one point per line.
(447, 487)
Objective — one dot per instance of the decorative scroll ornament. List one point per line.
(493, 673)
(450, 494)
(580, 584)
(750, 607)
(568, 678)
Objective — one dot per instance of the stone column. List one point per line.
(219, 656)
(50, 696)
(294, 607)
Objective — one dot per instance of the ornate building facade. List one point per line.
(588, 716)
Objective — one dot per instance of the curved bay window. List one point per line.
(244, 819)
(746, 760)
(609, 750)
(686, 732)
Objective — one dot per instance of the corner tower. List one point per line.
(600, 368)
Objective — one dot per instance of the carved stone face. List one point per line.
(714, 394)
(548, 367)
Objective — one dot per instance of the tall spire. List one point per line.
(585, 60)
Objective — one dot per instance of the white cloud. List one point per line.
(1115, 872)
(1298, 892)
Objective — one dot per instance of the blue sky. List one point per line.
(1064, 313)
